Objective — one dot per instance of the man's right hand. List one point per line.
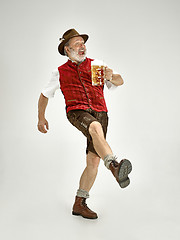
(43, 125)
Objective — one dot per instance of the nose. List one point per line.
(82, 45)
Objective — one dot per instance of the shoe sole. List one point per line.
(124, 183)
(125, 169)
(78, 214)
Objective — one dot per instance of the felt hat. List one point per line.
(68, 35)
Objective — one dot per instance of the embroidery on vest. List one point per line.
(71, 100)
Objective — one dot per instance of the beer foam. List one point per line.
(97, 62)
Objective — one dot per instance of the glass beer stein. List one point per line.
(97, 73)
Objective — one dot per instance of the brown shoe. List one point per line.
(121, 171)
(80, 208)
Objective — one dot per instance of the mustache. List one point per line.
(81, 49)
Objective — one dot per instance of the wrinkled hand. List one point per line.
(43, 125)
(108, 73)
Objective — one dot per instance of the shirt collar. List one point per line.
(76, 63)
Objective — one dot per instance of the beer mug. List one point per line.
(97, 73)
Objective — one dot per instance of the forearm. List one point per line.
(42, 104)
(117, 79)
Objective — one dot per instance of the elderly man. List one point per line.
(86, 110)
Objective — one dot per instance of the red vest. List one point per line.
(76, 86)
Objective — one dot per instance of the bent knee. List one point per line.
(95, 128)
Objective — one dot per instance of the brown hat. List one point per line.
(68, 35)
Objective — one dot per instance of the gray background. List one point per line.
(39, 174)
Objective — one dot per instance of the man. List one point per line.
(86, 110)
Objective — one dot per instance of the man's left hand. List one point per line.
(108, 73)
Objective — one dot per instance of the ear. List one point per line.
(67, 49)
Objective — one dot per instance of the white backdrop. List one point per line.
(39, 174)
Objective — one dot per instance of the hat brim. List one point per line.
(61, 45)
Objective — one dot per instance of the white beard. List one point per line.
(76, 57)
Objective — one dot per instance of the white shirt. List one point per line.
(54, 83)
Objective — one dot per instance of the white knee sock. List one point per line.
(82, 193)
(108, 159)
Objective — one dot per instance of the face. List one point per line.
(76, 50)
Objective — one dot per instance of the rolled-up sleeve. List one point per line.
(110, 85)
(53, 84)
